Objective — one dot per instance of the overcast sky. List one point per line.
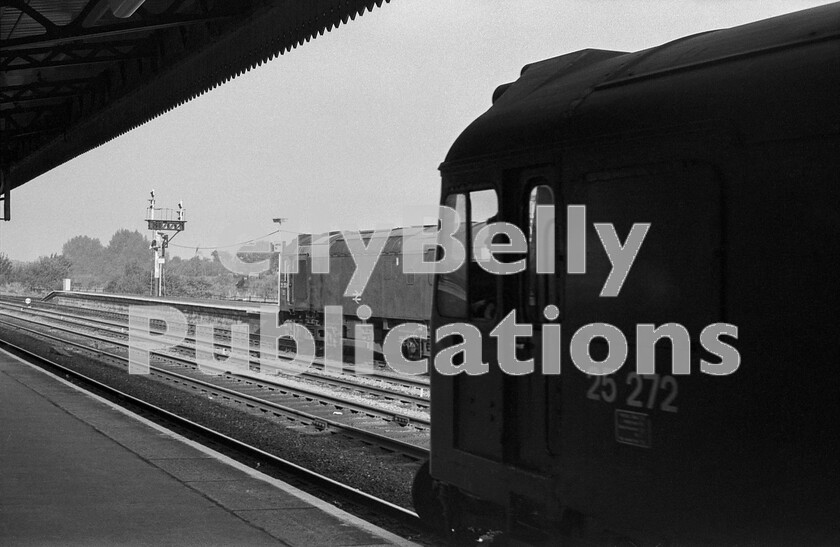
(344, 132)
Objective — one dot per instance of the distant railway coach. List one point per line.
(393, 295)
(727, 144)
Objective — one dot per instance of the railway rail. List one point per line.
(375, 426)
(120, 321)
(373, 385)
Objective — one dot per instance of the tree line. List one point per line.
(124, 266)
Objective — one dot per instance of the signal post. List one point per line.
(160, 222)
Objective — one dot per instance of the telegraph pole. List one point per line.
(282, 275)
(161, 221)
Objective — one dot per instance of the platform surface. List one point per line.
(76, 470)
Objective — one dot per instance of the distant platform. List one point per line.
(211, 303)
(77, 470)
(196, 310)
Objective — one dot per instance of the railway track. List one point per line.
(119, 321)
(404, 391)
(362, 503)
(370, 425)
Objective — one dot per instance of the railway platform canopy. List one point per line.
(75, 74)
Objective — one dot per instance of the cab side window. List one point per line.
(484, 210)
(452, 287)
(540, 285)
(470, 291)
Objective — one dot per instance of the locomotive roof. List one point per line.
(756, 79)
(338, 247)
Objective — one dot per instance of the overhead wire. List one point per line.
(197, 248)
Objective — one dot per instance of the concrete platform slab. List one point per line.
(307, 526)
(240, 496)
(76, 470)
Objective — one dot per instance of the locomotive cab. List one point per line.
(641, 374)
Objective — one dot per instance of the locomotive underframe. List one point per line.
(413, 349)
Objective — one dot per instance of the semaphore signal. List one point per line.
(161, 221)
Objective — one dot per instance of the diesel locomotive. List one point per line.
(726, 144)
(394, 296)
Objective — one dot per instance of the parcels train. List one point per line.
(726, 144)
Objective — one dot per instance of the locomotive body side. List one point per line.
(393, 295)
(728, 144)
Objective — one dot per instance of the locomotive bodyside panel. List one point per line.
(391, 292)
